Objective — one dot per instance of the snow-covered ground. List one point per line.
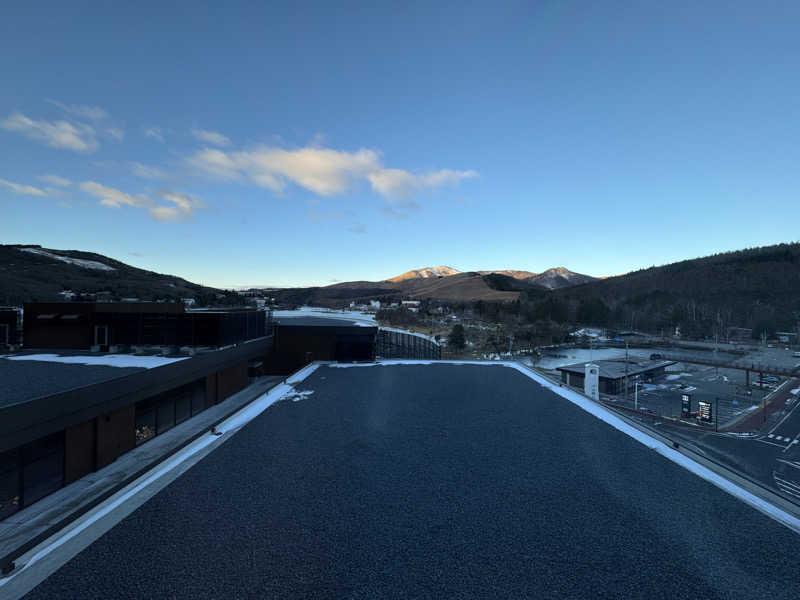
(86, 264)
(105, 360)
(675, 376)
(592, 333)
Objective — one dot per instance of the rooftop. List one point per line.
(29, 375)
(619, 367)
(321, 321)
(435, 480)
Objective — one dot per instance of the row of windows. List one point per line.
(33, 471)
(161, 413)
(30, 472)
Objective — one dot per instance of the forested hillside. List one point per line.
(757, 288)
(34, 273)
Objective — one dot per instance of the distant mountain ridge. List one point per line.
(30, 272)
(425, 273)
(555, 278)
(441, 282)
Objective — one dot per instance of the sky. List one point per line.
(251, 143)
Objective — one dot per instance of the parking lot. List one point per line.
(727, 392)
(724, 389)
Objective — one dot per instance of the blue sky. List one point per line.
(288, 144)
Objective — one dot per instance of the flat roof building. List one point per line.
(614, 372)
(66, 411)
(435, 481)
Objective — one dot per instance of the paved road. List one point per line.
(431, 482)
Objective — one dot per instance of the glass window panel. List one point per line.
(198, 399)
(183, 407)
(166, 415)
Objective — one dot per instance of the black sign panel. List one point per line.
(686, 405)
(705, 411)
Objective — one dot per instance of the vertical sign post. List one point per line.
(686, 405)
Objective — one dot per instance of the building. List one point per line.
(435, 481)
(67, 411)
(302, 339)
(9, 327)
(613, 373)
(110, 325)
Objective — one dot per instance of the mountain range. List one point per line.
(442, 283)
(551, 279)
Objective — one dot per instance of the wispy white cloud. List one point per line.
(57, 134)
(211, 137)
(397, 183)
(55, 180)
(178, 207)
(323, 171)
(84, 111)
(18, 188)
(183, 207)
(155, 133)
(114, 198)
(147, 171)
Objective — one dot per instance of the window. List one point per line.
(42, 467)
(183, 407)
(166, 415)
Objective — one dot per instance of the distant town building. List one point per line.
(613, 373)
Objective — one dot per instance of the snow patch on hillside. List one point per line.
(79, 262)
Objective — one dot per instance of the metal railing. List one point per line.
(391, 343)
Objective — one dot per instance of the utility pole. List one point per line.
(626, 371)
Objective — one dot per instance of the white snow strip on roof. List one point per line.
(105, 360)
(795, 391)
(80, 262)
(615, 421)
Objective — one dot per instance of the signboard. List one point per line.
(705, 412)
(686, 405)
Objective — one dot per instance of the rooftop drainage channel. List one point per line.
(18, 541)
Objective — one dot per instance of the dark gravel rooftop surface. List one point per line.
(24, 380)
(437, 481)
